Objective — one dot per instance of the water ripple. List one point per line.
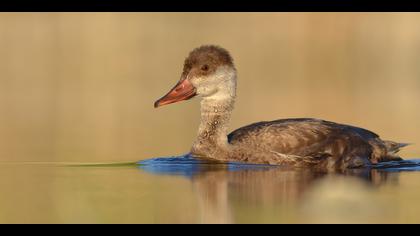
(405, 165)
(187, 165)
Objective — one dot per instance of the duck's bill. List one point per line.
(183, 90)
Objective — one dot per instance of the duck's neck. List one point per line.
(212, 133)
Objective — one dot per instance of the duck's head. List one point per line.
(208, 72)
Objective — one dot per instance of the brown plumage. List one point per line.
(314, 142)
(304, 142)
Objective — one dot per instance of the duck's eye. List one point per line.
(204, 67)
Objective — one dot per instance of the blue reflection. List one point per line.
(189, 166)
(397, 166)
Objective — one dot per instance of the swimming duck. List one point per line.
(209, 73)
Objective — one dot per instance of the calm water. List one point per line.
(183, 190)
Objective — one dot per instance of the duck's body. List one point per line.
(303, 142)
(313, 142)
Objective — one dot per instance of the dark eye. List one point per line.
(204, 67)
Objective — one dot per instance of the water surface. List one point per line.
(184, 190)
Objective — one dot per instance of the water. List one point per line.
(185, 190)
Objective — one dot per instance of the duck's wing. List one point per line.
(304, 137)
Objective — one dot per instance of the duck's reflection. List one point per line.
(218, 185)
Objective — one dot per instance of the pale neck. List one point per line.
(212, 132)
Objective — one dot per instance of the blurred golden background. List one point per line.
(81, 86)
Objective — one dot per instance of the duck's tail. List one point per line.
(392, 148)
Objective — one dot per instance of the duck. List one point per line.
(209, 73)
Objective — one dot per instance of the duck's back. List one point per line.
(307, 141)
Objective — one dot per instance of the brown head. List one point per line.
(208, 72)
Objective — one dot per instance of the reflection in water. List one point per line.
(219, 185)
